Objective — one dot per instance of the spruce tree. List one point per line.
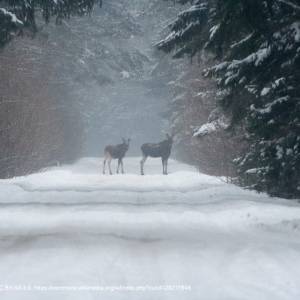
(257, 46)
(16, 15)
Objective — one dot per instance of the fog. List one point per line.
(132, 105)
(126, 96)
(71, 88)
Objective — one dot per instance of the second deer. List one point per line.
(162, 149)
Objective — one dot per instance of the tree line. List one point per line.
(38, 126)
(250, 48)
(235, 109)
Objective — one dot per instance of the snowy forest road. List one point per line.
(72, 226)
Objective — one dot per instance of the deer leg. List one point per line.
(122, 166)
(104, 163)
(142, 164)
(119, 163)
(166, 167)
(109, 167)
(163, 165)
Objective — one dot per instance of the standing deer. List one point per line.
(162, 149)
(115, 152)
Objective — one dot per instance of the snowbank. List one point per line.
(73, 226)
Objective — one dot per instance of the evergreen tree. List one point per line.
(16, 15)
(257, 45)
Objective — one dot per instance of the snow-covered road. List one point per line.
(73, 226)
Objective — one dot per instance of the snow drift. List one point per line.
(73, 226)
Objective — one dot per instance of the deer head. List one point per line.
(126, 142)
(170, 138)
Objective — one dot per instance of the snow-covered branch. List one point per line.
(291, 4)
(211, 127)
(12, 16)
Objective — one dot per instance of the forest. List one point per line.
(150, 149)
(251, 50)
(234, 102)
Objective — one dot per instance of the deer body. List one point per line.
(115, 152)
(162, 149)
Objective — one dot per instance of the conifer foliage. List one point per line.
(257, 46)
(16, 15)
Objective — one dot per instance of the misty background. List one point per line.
(75, 87)
(90, 75)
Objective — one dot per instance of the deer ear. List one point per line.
(167, 135)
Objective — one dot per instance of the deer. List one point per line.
(161, 149)
(115, 152)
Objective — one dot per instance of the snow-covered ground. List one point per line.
(72, 226)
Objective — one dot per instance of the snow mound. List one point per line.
(86, 176)
(72, 226)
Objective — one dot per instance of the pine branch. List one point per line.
(291, 4)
